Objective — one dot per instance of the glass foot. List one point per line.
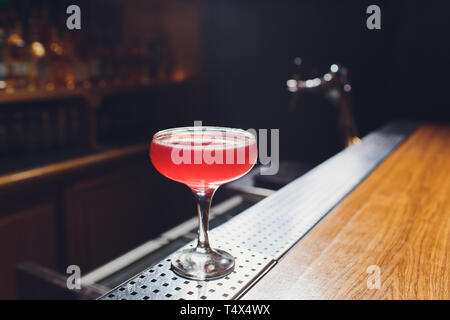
(197, 265)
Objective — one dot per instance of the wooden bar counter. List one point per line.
(395, 225)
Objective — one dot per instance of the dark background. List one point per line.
(245, 51)
(400, 71)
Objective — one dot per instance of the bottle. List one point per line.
(38, 56)
(4, 67)
(57, 65)
(152, 60)
(94, 64)
(19, 65)
(80, 65)
(69, 59)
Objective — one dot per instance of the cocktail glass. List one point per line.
(203, 158)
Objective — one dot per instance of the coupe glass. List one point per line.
(203, 158)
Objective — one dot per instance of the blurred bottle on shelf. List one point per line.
(94, 64)
(57, 63)
(18, 57)
(81, 71)
(38, 52)
(39, 66)
(79, 57)
(163, 59)
(161, 65)
(4, 65)
(69, 58)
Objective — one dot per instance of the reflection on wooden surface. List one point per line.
(397, 220)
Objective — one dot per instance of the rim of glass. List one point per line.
(167, 132)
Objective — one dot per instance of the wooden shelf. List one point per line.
(93, 96)
(61, 169)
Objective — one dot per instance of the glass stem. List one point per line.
(203, 198)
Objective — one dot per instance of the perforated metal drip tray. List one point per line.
(159, 282)
(260, 235)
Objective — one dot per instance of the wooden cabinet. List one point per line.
(85, 211)
(107, 214)
(27, 234)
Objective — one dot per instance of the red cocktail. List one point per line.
(203, 158)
